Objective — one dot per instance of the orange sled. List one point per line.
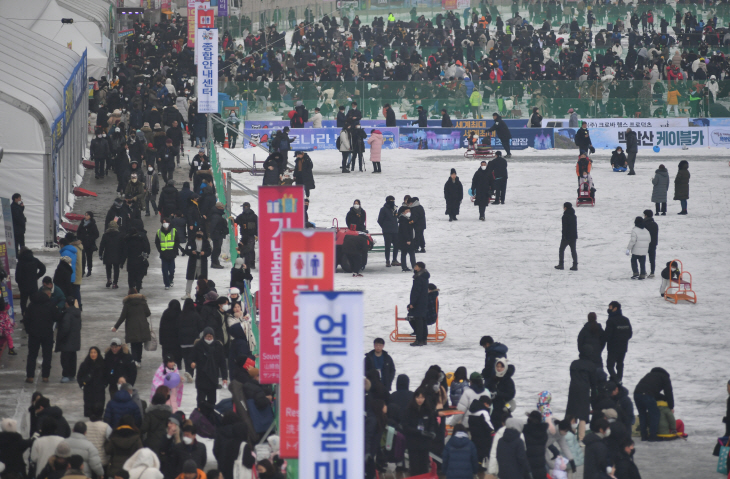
(438, 336)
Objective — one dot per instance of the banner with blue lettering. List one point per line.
(319, 138)
(610, 138)
(454, 138)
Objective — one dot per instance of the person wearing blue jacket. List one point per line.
(120, 405)
(460, 455)
(69, 250)
(469, 86)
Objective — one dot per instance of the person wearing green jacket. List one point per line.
(475, 102)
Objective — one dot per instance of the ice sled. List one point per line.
(680, 288)
(620, 169)
(479, 151)
(438, 336)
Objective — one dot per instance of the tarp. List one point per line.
(44, 18)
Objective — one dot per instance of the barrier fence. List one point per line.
(635, 99)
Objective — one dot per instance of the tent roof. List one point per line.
(96, 11)
(34, 69)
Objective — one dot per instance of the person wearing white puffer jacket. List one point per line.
(638, 248)
(143, 464)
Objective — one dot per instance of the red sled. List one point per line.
(585, 199)
(88, 164)
(74, 216)
(83, 192)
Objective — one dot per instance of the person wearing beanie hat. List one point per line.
(453, 194)
(569, 236)
(209, 361)
(638, 248)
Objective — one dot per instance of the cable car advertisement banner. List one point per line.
(280, 208)
(308, 264)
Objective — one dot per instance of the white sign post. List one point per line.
(331, 398)
(206, 46)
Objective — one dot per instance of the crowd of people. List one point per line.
(207, 339)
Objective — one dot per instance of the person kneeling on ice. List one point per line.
(672, 270)
(618, 160)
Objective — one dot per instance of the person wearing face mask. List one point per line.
(557, 444)
(405, 238)
(210, 364)
(189, 454)
(453, 194)
(99, 153)
(166, 160)
(481, 189)
(135, 190)
(168, 242)
(598, 461)
(197, 250)
(625, 466)
(266, 470)
(242, 340)
(357, 217)
(152, 188)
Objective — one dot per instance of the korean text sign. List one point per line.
(280, 207)
(331, 426)
(308, 264)
(206, 46)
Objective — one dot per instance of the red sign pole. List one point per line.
(280, 207)
(308, 264)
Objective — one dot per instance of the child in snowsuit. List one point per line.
(433, 304)
(585, 183)
(665, 276)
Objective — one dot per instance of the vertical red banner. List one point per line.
(308, 264)
(280, 207)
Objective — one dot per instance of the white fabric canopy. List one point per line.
(33, 73)
(44, 18)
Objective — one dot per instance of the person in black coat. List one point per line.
(653, 229)
(88, 233)
(502, 132)
(617, 335)
(272, 174)
(597, 455)
(379, 360)
(169, 199)
(405, 238)
(646, 393)
(12, 448)
(135, 251)
(198, 251)
(209, 361)
(40, 319)
(357, 217)
(480, 426)
(512, 457)
(422, 117)
(503, 388)
(17, 209)
(62, 277)
(498, 170)
(358, 146)
(569, 236)
(218, 232)
(582, 389)
(625, 466)
(418, 305)
(618, 158)
(167, 332)
(388, 221)
(446, 120)
(583, 139)
(536, 436)
(632, 147)
(118, 363)
(228, 439)
(481, 188)
(453, 194)
(110, 253)
(189, 449)
(303, 172)
(92, 379)
(389, 115)
(68, 339)
(401, 398)
(535, 119)
(354, 115)
(341, 118)
(592, 335)
(420, 429)
(27, 273)
(189, 326)
(418, 215)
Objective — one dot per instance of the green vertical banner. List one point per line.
(292, 469)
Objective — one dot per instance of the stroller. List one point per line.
(586, 191)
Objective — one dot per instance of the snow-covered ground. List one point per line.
(497, 277)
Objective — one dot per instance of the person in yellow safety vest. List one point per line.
(168, 244)
(475, 102)
(391, 19)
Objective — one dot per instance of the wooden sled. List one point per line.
(438, 336)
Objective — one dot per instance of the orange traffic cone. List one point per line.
(225, 142)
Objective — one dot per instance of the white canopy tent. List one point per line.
(44, 18)
(34, 72)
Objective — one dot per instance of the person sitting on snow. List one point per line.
(618, 159)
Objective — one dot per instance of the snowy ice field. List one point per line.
(497, 277)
